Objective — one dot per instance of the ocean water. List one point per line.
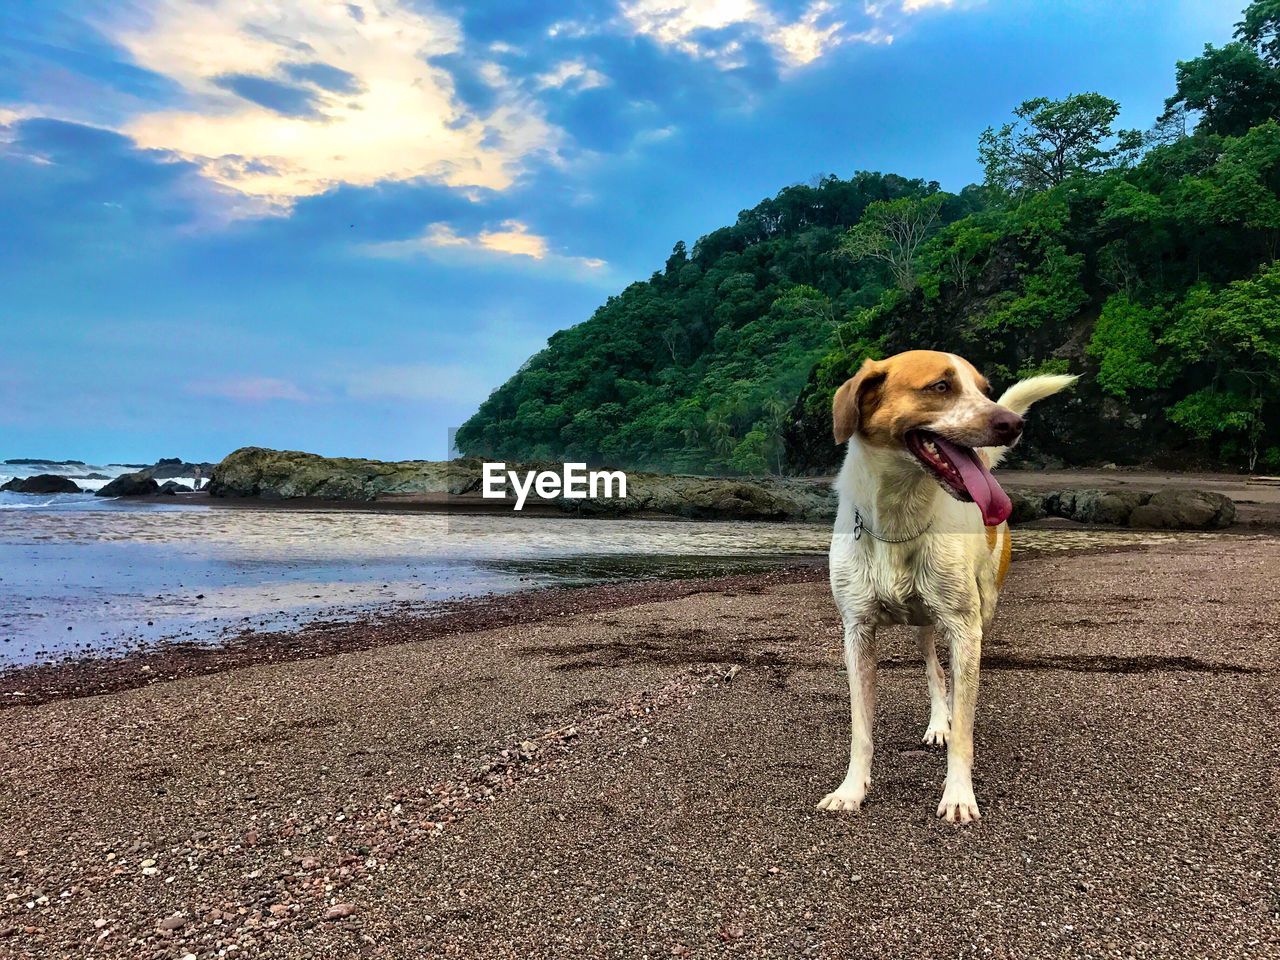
(91, 576)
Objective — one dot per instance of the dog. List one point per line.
(921, 538)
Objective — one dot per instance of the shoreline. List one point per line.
(1257, 498)
(389, 624)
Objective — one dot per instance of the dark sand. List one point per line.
(587, 782)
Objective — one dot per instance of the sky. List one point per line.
(337, 226)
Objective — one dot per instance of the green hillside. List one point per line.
(1146, 262)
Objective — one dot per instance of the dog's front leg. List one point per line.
(939, 728)
(860, 664)
(958, 802)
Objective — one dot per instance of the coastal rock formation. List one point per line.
(1185, 510)
(41, 483)
(288, 474)
(1095, 506)
(129, 485)
(167, 468)
(715, 498)
(171, 487)
(1171, 509)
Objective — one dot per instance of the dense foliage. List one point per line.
(1150, 268)
(698, 367)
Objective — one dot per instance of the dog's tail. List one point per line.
(1022, 395)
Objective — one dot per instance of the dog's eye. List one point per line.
(940, 387)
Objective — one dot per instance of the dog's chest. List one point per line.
(898, 586)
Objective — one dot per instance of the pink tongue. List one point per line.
(982, 486)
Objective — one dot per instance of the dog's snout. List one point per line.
(1006, 425)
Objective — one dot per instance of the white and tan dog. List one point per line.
(921, 538)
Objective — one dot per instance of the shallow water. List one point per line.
(80, 577)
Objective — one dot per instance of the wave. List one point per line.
(50, 501)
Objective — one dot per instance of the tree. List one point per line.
(1231, 87)
(1052, 140)
(1236, 86)
(1260, 29)
(892, 232)
(1236, 332)
(1124, 345)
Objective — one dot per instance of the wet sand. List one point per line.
(598, 780)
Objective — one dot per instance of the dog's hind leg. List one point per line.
(939, 728)
(958, 802)
(860, 662)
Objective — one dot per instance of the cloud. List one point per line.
(309, 95)
(716, 29)
(571, 75)
(250, 389)
(914, 6)
(70, 188)
(510, 238)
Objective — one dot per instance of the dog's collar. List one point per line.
(860, 527)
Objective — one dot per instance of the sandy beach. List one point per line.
(635, 775)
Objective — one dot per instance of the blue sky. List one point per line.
(336, 226)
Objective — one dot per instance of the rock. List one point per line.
(289, 474)
(168, 467)
(340, 911)
(129, 485)
(171, 487)
(1026, 507)
(283, 475)
(1095, 506)
(41, 483)
(1185, 509)
(175, 922)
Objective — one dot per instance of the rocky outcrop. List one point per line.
(41, 483)
(1112, 507)
(715, 498)
(289, 474)
(172, 487)
(1183, 509)
(167, 468)
(130, 485)
(1172, 509)
(286, 474)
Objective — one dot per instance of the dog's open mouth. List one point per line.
(962, 474)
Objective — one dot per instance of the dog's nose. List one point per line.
(1006, 425)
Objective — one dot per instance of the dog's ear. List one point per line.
(847, 407)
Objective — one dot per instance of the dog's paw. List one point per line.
(958, 805)
(844, 798)
(936, 735)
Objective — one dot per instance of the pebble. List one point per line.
(175, 922)
(339, 911)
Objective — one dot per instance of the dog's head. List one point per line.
(933, 408)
